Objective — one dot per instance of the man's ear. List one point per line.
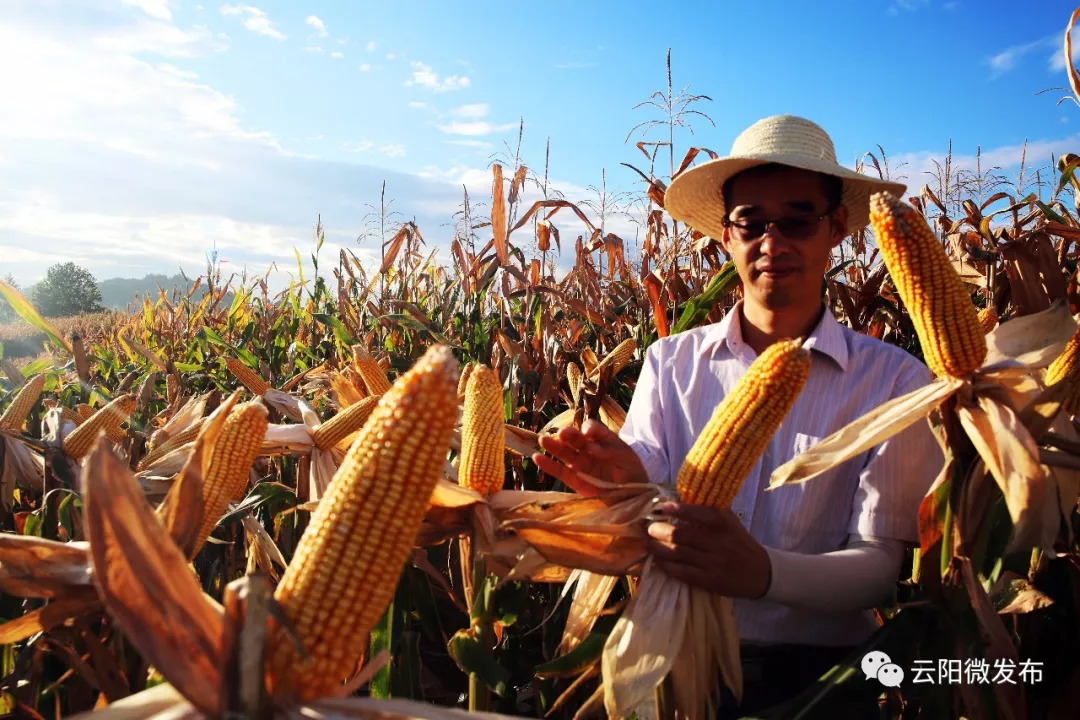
(839, 224)
(725, 242)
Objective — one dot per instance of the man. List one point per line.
(805, 563)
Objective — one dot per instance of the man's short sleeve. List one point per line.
(643, 429)
(898, 474)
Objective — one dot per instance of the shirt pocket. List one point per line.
(814, 514)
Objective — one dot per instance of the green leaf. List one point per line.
(36, 367)
(698, 307)
(381, 639)
(35, 524)
(261, 494)
(24, 309)
(341, 333)
(211, 335)
(473, 658)
(410, 321)
(247, 358)
(187, 367)
(575, 661)
(1050, 213)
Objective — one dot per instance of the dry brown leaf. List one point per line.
(145, 583)
(35, 567)
(45, 618)
(869, 430)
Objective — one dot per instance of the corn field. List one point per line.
(228, 502)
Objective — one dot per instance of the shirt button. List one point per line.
(739, 514)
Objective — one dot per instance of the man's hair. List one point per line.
(832, 186)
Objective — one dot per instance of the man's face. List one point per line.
(781, 272)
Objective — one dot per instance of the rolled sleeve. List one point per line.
(643, 429)
(897, 475)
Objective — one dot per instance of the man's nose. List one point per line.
(771, 242)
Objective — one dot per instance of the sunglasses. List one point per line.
(792, 227)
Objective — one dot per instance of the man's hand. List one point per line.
(709, 549)
(594, 450)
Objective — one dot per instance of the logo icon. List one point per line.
(878, 665)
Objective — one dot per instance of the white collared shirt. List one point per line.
(875, 494)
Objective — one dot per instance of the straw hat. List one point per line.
(695, 195)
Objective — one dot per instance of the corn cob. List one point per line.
(573, 379)
(180, 439)
(612, 414)
(945, 319)
(83, 412)
(71, 416)
(1066, 368)
(345, 423)
(483, 434)
(742, 425)
(348, 561)
(248, 377)
(463, 380)
(374, 376)
(172, 387)
(618, 358)
(988, 319)
(15, 414)
(108, 418)
(234, 452)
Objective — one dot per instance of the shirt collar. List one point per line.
(827, 337)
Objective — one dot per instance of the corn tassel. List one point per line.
(348, 561)
(988, 319)
(247, 377)
(1066, 368)
(374, 377)
(234, 452)
(482, 466)
(742, 425)
(953, 342)
(345, 423)
(107, 419)
(15, 414)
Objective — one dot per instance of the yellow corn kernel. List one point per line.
(84, 412)
(345, 423)
(946, 321)
(234, 452)
(1066, 368)
(988, 319)
(71, 416)
(180, 439)
(742, 425)
(172, 387)
(107, 419)
(348, 561)
(374, 376)
(15, 414)
(482, 466)
(247, 377)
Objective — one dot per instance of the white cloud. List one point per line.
(161, 38)
(371, 46)
(364, 67)
(337, 55)
(1006, 157)
(314, 48)
(899, 6)
(425, 77)
(482, 144)
(362, 146)
(416, 105)
(154, 8)
(254, 20)
(476, 110)
(1008, 58)
(318, 25)
(478, 127)
(1057, 59)
(391, 56)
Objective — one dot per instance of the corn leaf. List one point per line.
(26, 310)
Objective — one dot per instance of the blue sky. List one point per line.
(135, 134)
